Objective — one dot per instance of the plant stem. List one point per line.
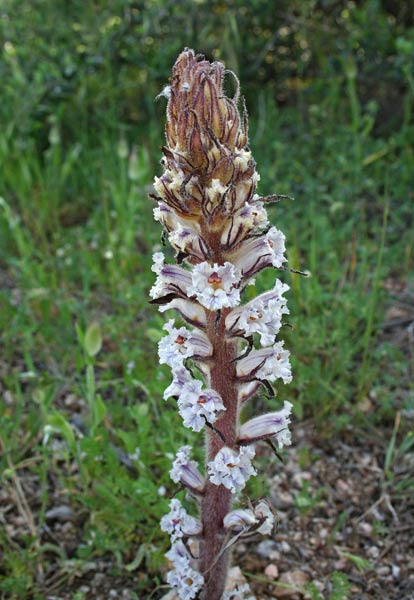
(217, 500)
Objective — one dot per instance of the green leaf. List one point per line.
(100, 410)
(132, 566)
(59, 424)
(93, 339)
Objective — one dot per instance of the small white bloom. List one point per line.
(239, 519)
(187, 241)
(259, 520)
(254, 254)
(162, 490)
(130, 366)
(231, 468)
(170, 278)
(166, 92)
(266, 363)
(187, 582)
(197, 405)
(163, 213)
(178, 555)
(255, 178)
(186, 471)
(173, 222)
(264, 513)
(158, 259)
(180, 378)
(263, 315)
(271, 425)
(181, 343)
(136, 454)
(215, 286)
(178, 523)
(249, 217)
(169, 182)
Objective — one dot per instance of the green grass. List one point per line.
(76, 238)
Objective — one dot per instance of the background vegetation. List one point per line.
(329, 86)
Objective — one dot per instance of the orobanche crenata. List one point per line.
(227, 352)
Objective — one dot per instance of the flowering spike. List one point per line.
(207, 204)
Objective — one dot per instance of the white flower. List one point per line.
(136, 454)
(263, 315)
(249, 217)
(187, 582)
(181, 343)
(178, 523)
(271, 425)
(267, 363)
(197, 405)
(185, 240)
(185, 470)
(184, 234)
(215, 286)
(178, 555)
(232, 469)
(239, 593)
(170, 278)
(165, 215)
(259, 520)
(166, 93)
(158, 259)
(254, 254)
(180, 377)
(239, 519)
(170, 181)
(264, 513)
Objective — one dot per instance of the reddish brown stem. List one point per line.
(217, 500)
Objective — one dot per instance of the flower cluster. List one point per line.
(207, 203)
(181, 526)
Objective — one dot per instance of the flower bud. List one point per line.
(239, 519)
(185, 471)
(271, 425)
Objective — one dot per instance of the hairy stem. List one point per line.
(217, 500)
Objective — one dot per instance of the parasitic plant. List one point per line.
(218, 226)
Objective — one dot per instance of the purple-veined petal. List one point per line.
(232, 469)
(191, 311)
(171, 279)
(263, 315)
(267, 364)
(274, 425)
(197, 405)
(185, 471)
(254, 254)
